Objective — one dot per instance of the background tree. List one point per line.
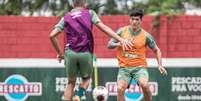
(16, 7)
(111, 7)
(60, 7)
(13, 7)
(95, 5)
(164, 7)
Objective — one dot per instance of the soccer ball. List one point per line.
(100, 93)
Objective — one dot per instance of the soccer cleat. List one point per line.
(80, 95)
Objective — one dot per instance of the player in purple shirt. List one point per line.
(77, 25)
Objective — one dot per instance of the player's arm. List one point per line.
(53, 38)
(113, 43)
(107, 30)
(153, 46)
(126, 45)
(157, 52)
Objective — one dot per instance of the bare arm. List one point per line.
(108, 31)
(157, 53)
(125, 44)
(112, 44)
(53, 38)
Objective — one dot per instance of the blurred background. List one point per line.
(28, 60)
(102, 7)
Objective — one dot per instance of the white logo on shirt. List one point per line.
(76, 14)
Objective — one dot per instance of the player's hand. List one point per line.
(60, 57)
(162, 70)
(126, 44)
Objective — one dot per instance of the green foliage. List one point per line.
(151, 7)
(37, 5)
(194, 2)
(11, 8)
(95, 6)
(111, 7)
(157, 8)
(61, 9)
(15, 7)
(162, 7)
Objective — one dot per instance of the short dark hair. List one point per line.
(137, 12)
(79, 2)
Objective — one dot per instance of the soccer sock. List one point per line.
(80, 91)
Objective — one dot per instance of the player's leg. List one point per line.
(85, 61)
(68, 93)
(143, 78)
(86, 68)
(123, 79)
(143, 82)
(71, 69)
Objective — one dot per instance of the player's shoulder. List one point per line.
(144, 31)
(123, 28)
(91, 10)
(147, 34)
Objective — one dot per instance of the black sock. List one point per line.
(81, 91)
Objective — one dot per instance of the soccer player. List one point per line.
(132, 62)
(77, 25)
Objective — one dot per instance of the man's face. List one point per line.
(135, 22)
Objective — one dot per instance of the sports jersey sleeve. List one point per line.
(95, 18)
(113, 43)
(119, 32)
(150, 41)
(60, 25)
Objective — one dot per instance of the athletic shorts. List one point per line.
(78, 63)
(128, 73)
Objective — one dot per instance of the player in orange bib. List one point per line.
(132, 62)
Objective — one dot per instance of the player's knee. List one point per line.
(121, 89)
(144, 85)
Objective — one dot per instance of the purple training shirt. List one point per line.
(78, 29)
